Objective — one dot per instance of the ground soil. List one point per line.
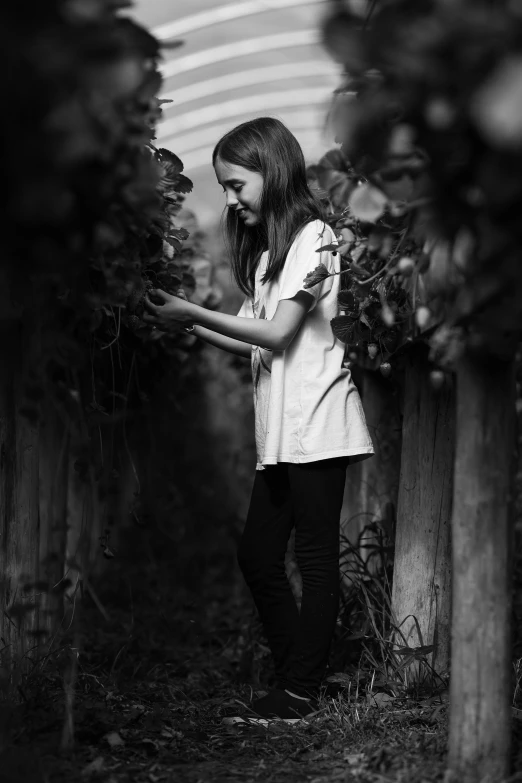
(166, 647)
(156, 671)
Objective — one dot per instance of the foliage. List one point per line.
(90, 220)
(376, 299)
(90, 223)
(428, 175)
(91, 206)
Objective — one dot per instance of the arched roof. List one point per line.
(240, 59)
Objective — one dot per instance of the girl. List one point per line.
(309, 421)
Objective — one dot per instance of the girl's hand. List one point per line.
(175, 311)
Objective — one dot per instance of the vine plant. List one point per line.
(90, 220)
(425, 189)
(377, 298)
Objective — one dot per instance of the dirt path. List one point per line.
(154, 680)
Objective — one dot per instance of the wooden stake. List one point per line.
(18, 509)
(480, 718)
(54, 463)
(421, 580)
(372, 485)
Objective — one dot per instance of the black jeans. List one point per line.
(309, 497)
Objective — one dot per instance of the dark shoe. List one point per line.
(277, 705)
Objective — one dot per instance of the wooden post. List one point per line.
(18, 508)
(83, 524)
(53, 469)
(421, 579)
(372, 485)
(380, 474)
(480, 716)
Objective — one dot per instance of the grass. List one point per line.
(163, 662)
(156, 675)
(366, 610)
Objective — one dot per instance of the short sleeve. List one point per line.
(247, 308)
(303, 258)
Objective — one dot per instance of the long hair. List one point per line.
(266, 146)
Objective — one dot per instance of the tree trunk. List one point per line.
(479, 737)
(421, 582)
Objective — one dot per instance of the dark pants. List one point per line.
(309, 497)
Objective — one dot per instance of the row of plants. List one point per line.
(424, 197)
(425, 188)
(91, 223)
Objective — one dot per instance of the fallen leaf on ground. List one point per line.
(95, 766)
(114, 739)
(379, 698)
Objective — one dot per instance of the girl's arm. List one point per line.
(220, 341)
(275, 334)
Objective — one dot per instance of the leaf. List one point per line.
(330, 179)
(334, 247)
(334, 159)
(316, 276)
(343, 41)
(180, 233)
(173, 159)
(183, 184)
(358, 252)
(344, 249)
(114, 739)
(379, 698)
(346, 300)
(359, 270)
(340, 193)
(376, 238)
(95, 766)
(357, 760)
(173, 242)
(347, 236)
(171, 45)
(340, 677)
(367, 203)
(343, 327)
(363, 319)
(417, 652)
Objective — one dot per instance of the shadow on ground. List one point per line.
(155, 676)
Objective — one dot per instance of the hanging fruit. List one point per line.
(373, 350)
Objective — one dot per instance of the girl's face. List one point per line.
(243, 189)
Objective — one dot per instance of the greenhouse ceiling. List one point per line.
(239, 60)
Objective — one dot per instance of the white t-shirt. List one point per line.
(307, 407)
